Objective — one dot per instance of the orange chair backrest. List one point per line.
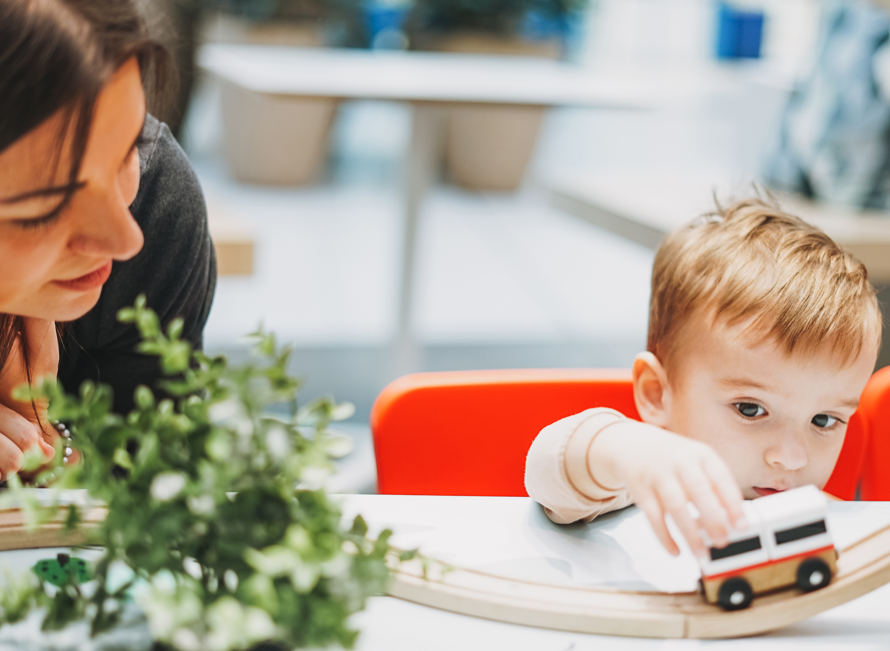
(468, 432)
(874, 414)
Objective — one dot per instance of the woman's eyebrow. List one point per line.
(70, 187)
(45, 192)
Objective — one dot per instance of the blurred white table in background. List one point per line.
(645, 208)
(426, 77)
(430, 81)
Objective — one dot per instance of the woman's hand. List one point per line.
(21, 428)
(665, 472)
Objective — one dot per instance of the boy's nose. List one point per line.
(787, 454)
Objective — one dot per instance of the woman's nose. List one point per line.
(107, 229)
(787, 453)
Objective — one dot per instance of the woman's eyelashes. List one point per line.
(749, 410)
(39, 222)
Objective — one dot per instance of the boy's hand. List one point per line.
(20, 427)
(664, 472)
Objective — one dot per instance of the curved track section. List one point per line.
(16, 534)
(862, 567)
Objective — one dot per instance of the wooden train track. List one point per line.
(862, 567)
(15, 534)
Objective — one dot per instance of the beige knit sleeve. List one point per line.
(556, 472)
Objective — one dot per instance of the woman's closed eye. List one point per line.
(750, 409)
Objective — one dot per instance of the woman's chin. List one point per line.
(78, 306)
(58, 305)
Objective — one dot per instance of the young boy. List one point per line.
(762, 335)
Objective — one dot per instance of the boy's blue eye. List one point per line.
(750, 409)
(823, 420)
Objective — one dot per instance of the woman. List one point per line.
(98, 204)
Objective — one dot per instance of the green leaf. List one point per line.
(126, 315)
(175, 357)
(65, 609)
(73, 519)
(122, 458)
(148, 324)
(343, 411)
(174, 329)
(359, 526)
(144, 398)
(32, 459)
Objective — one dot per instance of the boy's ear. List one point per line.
(651, 390)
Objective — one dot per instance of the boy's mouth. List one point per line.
(762, 492)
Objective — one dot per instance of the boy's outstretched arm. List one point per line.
(665, 472)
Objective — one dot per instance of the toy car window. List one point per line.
(798, 533)
(736, 548)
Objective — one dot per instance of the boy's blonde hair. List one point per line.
(753, 263)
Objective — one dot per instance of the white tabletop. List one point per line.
(513, 537)
(428, 76)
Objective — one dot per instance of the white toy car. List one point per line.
(786, 543)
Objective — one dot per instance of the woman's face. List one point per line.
(53, 264)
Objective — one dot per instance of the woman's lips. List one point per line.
(89, 281)
(767, 491)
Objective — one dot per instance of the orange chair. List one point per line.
(468, 432)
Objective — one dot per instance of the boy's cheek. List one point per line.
(824, 459)
(742, 456)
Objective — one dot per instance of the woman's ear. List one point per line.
(651, 390)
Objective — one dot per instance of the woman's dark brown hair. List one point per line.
(55, 57)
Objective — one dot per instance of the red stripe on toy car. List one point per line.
(812, 552)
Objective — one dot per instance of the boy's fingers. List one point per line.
(649, 505)
(712, 514)
(727, 490)
(675, 501)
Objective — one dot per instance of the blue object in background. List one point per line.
(384, 23)
(567, 28)
(538, 26)
(739, 32)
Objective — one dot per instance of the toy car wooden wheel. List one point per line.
(813, 574)
(735, 594)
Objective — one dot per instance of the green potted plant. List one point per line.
(217, 522)
(489, 147)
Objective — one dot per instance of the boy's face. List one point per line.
(778, 422)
